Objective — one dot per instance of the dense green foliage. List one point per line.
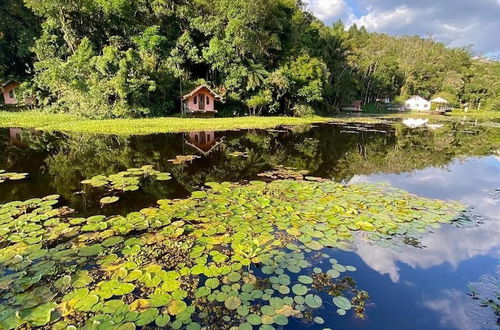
(118, 58)
(18, 28)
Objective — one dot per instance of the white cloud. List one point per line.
(330, 10)
(381, 20)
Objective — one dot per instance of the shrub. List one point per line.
(303, 110)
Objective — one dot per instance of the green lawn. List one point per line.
(69, 123)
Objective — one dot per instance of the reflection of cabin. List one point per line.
(201, 101)
(9, 92)
(204, 142)
(441, 104)
(417, 103)
(15, 137)
(354, 106)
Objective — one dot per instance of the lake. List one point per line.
(341, 226)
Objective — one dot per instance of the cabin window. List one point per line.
(11, 94)
(195, 101)
(208, 137)
(208, 100)
(196, 138)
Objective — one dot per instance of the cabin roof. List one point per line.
(8, 82)
(197, 89)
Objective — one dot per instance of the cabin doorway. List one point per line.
(201, 104)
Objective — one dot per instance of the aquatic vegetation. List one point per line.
(245, 255)
(183, 159)
(243, 154)
(128, 180)
(282, 172)
(11, 176)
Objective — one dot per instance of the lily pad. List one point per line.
(342, 302)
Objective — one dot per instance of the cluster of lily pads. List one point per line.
(232, 255)
(242, 154)
(183, 159)
(282, 172)
(128, 180)
(12, 176)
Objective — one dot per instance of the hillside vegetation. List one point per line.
(118, 58)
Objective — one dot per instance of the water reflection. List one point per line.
(452, 306)
(470, 181)
(452, 162)
(204, 141)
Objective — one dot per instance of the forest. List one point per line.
(123, 58)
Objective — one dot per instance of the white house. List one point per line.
(417, 103)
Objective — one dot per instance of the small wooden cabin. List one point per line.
(354, 106)
(8, 91)
(201, 101)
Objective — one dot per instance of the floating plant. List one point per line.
(11, 176)
(128, 180)
(183, 159)
(242, 154)
(282, 172)
(238, 255)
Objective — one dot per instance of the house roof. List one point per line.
(209, 149)
(439, 100)
(9, 82)
(197, 89)
(416, 97)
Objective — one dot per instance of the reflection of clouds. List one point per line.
(446, 245)
(470, 182)
(452, 306)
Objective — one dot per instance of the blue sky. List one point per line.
(458, 23)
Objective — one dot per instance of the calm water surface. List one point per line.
(411, 287)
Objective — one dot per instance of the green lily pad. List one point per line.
(342, 302)
(109, 200)
(313, 301)
(299, 289)
(232, 302)
(305, 279)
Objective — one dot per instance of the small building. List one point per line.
(9, 92)
(354, 106)
(440, 104)
(417, 103)
(201, 101)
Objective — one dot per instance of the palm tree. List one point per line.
(256, 76)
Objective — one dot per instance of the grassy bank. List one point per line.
(69, 123)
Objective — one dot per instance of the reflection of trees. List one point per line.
(406, 150)
(325, 151)
(80, 157)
